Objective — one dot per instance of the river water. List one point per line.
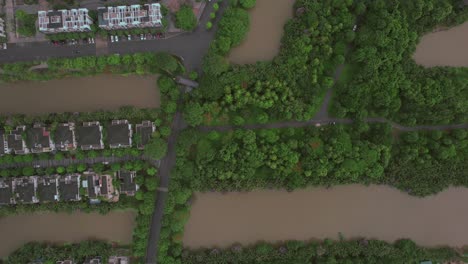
(354, 210)
(263, 41)
(101, 92)
(62, 227)
(444, 48)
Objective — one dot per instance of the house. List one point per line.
(6, 191)
(127, 182)
(89, 136)
(99, 186)
(119, 134)
(68, 261)
(3, 143)
(69, 187)
(39, 139)
(133, 16)
(144, 131)
(47, 188)
(119, 260)
(15, 141)
(24, 190)
(73, 20)
(2, 28)
(93, 260)
(64, 137)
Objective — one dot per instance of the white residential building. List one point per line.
(133, 16)
(73, 20)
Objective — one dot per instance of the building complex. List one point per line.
(54, 188)
(133, 16)
(72, 20)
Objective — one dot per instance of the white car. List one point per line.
(4, 46)
(116, 38)
(112, 38)
(129, 37)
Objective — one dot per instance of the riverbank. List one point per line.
(100, 92)
(17, 230)
(374, 212)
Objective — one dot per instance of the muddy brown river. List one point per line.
(356, 211)
(106, 92)
(62, 227)
(263, 41)
(444, 48)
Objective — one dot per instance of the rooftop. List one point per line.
(6, 193)
(3, 146)
(15, 141)
(127, 182)
(73, 20)
(119, 134)
(64, 137)
(89, 136)
(114, 17)
(144, 131)
(25, 190)
(69, 187)
(38, 139)
(47, 190)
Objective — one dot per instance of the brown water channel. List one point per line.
(356, 211)
(263, 41)
(106, 92)
(62, 227)
(444, 48)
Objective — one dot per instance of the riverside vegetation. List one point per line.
(291, 86)
(419, 163)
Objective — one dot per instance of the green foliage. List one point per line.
(295, 82)
(156, 149)
(215, 64)
(52, 253)
(26, 23)
(193, 114)
(185, 18)
(247, 4)
(234, 25)
(386, 82)
(353, 251)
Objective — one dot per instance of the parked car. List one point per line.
(112, 38)
(4, 46)
(142, 36)
(116, 38)
(129, 37)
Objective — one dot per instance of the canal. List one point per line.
(101, 92)
(263, 41)
(444, 47)
(379, 212)
(62, 228)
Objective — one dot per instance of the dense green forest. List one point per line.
(289, 87)
(383, 80)
(420, 163)
(49, 254)
(326, 252)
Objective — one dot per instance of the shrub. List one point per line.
(185, 18)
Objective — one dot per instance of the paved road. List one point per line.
(67, 162)
(192, 52)
(329, 121)
(190, 46)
